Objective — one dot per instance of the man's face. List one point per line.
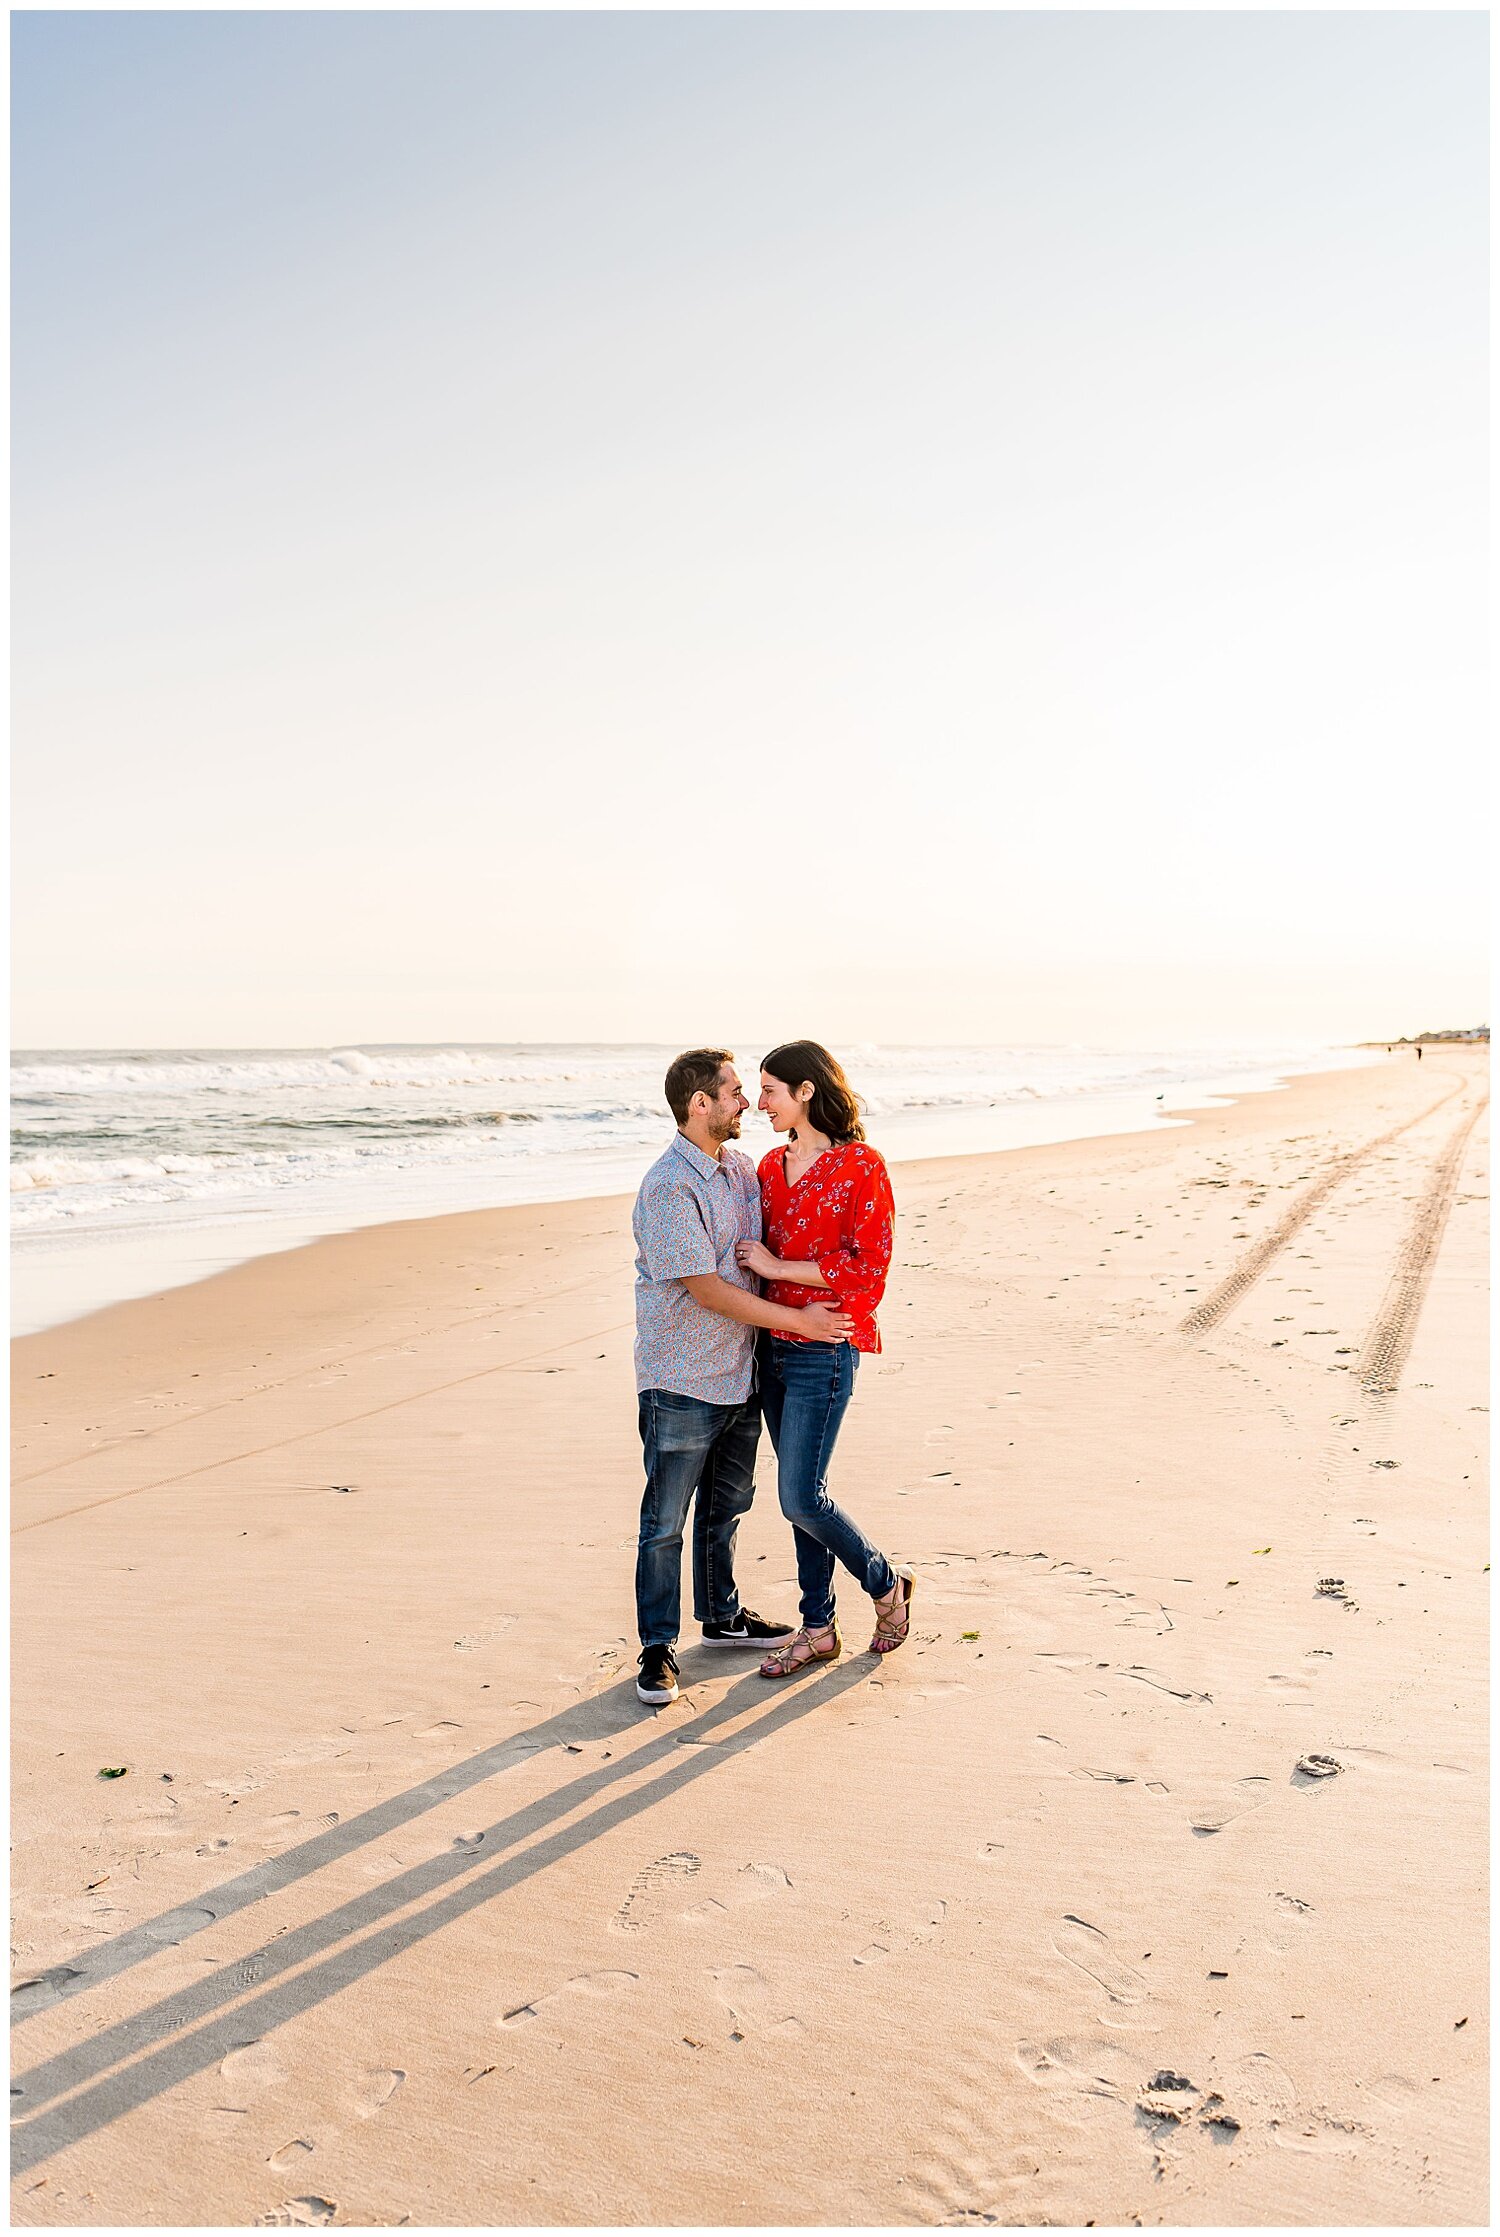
(727, 1107)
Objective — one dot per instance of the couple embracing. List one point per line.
(756, 1295)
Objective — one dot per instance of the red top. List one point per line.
(840, 1215)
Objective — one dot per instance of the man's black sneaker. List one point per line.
(747, 1630)
(657, 1682)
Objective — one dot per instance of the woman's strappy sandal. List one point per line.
(893, 1624)
(799, 1653)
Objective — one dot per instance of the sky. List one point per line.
(939, 527)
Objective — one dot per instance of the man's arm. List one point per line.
(819, 1322)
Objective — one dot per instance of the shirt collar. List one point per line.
(698, 1159)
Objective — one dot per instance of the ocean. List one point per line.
(134, 1171)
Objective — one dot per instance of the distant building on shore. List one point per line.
(1449, 1033)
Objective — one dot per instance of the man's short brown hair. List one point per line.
(695, 1069)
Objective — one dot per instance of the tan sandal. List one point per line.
(893, 1622)
(799, 1653)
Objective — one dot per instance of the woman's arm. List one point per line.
(807, 1271)
(858, 1269)
(758, 1260)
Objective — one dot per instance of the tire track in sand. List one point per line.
(1242, 1277)
(1384, 1351)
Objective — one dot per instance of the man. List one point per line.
(696, 1313)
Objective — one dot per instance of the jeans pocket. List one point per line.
(680, 1424)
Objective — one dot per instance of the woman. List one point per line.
(827, 1211)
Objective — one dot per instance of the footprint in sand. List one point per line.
(292, 2157)
(42, 1989)
(288, 1826)
(1088, 1948)
(175, 1926)
(252, 2066)
(472, 1641)
(583, 1986)
(374, 2088)
(746, 1996)
(298, 2213)
(654, 1889)
(752, 1883)
(1310, 1769)
(1245, 1795)
(1093, 2065)
(1259, 2087)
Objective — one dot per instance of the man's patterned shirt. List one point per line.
(691, 1211)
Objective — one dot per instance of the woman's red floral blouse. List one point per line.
(841, 1216)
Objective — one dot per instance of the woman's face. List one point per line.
(782, 1107)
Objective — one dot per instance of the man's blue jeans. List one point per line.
(692, 1446)
(805, 1390)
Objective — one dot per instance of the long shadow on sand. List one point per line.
(679, 1756)
(613, 1711)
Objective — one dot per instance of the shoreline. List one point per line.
(187, 1254)
(330, 1558)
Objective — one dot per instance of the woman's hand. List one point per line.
(756, 1259)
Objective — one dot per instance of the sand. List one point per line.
(405, 1910)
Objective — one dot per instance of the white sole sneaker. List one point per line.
(776, 1639)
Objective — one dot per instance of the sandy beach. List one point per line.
(1147, 1885)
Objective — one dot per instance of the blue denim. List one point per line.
(805, 1390)
(691, 1446)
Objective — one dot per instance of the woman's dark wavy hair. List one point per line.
(833, 1109)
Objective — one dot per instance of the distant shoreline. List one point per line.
(1476, 1037)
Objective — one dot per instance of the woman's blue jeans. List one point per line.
(805, 1391)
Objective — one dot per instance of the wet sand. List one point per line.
(1146, 1885)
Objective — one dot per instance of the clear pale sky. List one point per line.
(889, 526)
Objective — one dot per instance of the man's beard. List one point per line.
(727, 1130)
